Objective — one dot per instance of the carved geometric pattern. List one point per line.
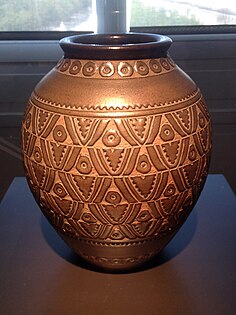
(115, 69)
(115, 106)
(116, 170)
(113, 178)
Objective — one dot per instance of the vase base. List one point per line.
(120, 256)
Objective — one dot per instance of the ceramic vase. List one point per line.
(116, 142)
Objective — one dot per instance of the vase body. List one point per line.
(116, 149)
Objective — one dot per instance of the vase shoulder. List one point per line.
(156, 91)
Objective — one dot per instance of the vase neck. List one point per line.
(116, 46)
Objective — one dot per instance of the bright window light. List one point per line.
(89, 15)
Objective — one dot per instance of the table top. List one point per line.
(194, 274)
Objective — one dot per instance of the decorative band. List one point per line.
(130, 243)
(116, 69)
(116, 110)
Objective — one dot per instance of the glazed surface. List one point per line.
(110, 165)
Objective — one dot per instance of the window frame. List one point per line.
(164, 30)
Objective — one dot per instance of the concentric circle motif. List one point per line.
(142, 68)
(117, 68)
(165, 64)
(143, 165)
(192, 155)
(116, 234)
(59, 133)
(37, 154)
(87, 217)
(65, 65)
(111, 138)
(144, 216)
(170, 190)
(59, 190)
(113, 197)
(106, 69)
(125, 69)
(67, 228)
(89, 69)
(75, 67)
(84, 166)
(155, 66)
(167, 133)
(202, 120)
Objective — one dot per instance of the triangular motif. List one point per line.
(43, 118)
(144, 216)
(185, 118)
(171, 151)
(90, 228)
(64, 205)
(139, 125)
(84, 126)
(116, 212)
(39, 172)
(26, 139)
(204, 138)
(116, 234)
(88, 217)
(114, 157)
(142, 227)
(139, 128)
(190, 172)
(143, 165)
(144, 184)
(85, 184)
(58, 152)
(168, 204)
(203, 108)
(185, 121)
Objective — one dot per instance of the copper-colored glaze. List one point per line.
(116, 146)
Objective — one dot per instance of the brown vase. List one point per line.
(116, 145)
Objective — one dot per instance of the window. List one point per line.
(44, 15)
(182, 12)
(97, 15)
(203, 33)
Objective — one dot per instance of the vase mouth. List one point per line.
(115, 46)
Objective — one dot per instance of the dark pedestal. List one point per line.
(195, 274)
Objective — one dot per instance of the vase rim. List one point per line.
(115, 46)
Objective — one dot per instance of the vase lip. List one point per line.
(115, 46)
